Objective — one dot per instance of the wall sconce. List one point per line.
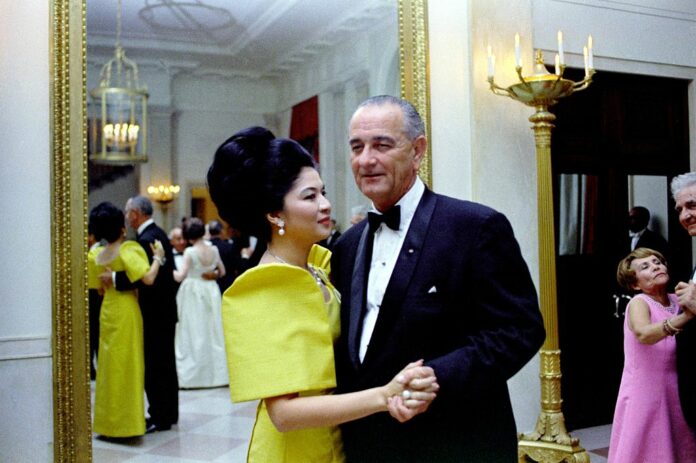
(550, 441)
(163, 194)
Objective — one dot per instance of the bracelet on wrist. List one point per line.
(158, 259)
(674, 329)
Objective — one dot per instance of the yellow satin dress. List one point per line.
(279, 337)
(119, 405)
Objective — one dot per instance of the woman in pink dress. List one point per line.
(649, 425)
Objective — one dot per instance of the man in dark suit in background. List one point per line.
(330, 241)
(158, 306)
(230, 255)
(639, 233)
(442, 280)
(684, 194)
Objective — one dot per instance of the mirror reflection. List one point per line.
(214, 67)
(211, 68)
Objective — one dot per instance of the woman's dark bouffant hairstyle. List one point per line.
(251, 173)
(193, 229)
(106, 221)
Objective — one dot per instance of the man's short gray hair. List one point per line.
(413, 123)
(682, 181)
(141, 204)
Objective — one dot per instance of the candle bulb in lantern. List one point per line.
(491, 63)
(518, 55)
(589, 50)
(558, 65)
(560, 47)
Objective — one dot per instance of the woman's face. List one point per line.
(651, 273)
(306, 211)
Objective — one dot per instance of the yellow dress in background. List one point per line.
(119, 408)
(279, 336)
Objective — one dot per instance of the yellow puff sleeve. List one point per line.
(134, 259)
(93, 270)
(277, 334)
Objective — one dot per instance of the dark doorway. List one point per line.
(622, 125)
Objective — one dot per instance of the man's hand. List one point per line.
(107, 278)
(686, 292)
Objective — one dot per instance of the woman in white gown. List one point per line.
(199, 342)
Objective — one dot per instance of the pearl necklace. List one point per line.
(311, 271)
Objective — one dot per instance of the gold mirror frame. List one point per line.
(71, 386)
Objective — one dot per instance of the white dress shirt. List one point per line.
(385, 251)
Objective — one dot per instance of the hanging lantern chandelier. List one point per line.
(118, 126)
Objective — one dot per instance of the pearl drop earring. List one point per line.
(281, 227)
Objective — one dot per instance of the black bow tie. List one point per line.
(392, 218)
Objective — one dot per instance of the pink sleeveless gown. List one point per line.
(649, 425)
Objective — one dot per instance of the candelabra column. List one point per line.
(550, 441)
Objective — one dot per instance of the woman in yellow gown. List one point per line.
(281, 318)
(119, 409)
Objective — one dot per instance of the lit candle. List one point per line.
(587, 66)
(518, 55)
(491, 63)
(558, 65)
(560, 47)
(589, 50)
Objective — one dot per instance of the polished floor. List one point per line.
(213, 429)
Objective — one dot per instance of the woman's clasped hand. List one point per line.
(411, 391)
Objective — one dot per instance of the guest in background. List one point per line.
(199, 343)
(330, 240)
(158, 306)
(684, 194)
(95, 299)
(230, 255)
(119, 408)
(176, 239)
(649, 424)
(639, 233)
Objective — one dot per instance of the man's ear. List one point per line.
(420, 146)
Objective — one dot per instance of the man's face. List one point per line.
(686, 208)
(177, 240)
(132, 216)
(384, 161)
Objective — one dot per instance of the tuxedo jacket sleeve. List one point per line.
(163, 291)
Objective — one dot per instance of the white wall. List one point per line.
(482, 145)
(26, 424)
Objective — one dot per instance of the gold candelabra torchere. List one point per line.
(550, 442)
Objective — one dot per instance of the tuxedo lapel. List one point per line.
(357, 294)
(402, 274)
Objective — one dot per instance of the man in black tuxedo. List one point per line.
(684, 194)
(639, 233)
(330, 241)
(158, 306)
(230, 255)
(442, 280)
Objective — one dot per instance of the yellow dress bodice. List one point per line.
(279, 337)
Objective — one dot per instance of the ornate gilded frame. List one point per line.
(71, 388)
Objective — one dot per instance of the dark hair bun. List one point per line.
(235, 178)
(106, 221)
(250, 176)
